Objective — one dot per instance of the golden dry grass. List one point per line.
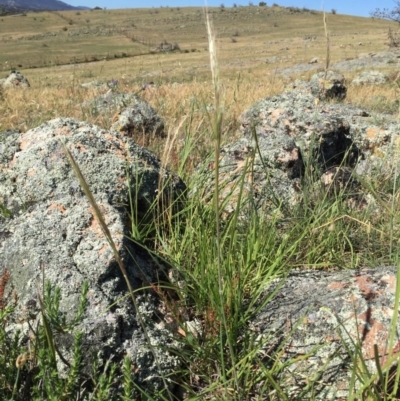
(183, 91)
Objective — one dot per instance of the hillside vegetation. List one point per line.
(247, 36)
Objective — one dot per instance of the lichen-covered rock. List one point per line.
(370, 78)
(52, 231)
(320, 131)
(302, 130)
(318, 318)
(109, 102)
(132, 115)
(15, 79)
(328, 85)
(139, 118)
(263, 175)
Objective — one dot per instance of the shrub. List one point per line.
(262, 4)
(333, 11)
(234, 5)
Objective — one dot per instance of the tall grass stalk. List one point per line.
(217, 123)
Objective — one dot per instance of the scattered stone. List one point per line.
(166, 47)
(139, 118)
(370, 78)
(15, 79)
(95, 85)
(132, 114)
(272, 60)
(366, 55)
(314, 60)
(52, 231)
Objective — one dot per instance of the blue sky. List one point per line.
(354, 7)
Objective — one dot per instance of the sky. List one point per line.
(352, 7)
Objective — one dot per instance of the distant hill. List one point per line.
(12, 6)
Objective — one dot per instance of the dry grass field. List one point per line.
(59, 51)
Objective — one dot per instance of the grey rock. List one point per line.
(109, 102)
(139, 118)
(15, 79)
(269, 170)
(95, 85)
(328, 85)
(370, 78)
(319, 130)
(52, 232)
(283, 134)
(378, 60)
(314, 60)
(315, 321)
(132, 114)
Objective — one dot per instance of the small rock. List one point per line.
(370, 78)
(15, 79)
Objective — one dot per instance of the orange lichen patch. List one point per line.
(103, 249)
(385, 357)
(371, 332)
(373, 132)
(364, 283)
(24, 143)
(337, 285)
(57, 206)
(79, 147)
(390, 280)
(31, 172)
(376, 334)
(94, 225)
(275, 114)
(63, 131)
(289, 156)
(119, 151)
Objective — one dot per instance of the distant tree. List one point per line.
(393, 15)
(262, 3)
(333, 11)
(234, 5)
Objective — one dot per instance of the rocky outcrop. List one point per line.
(48, 230)
(370, 78)
(282, 135)
(320, 324)
(14, 80)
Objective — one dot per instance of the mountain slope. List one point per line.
(55, 5)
